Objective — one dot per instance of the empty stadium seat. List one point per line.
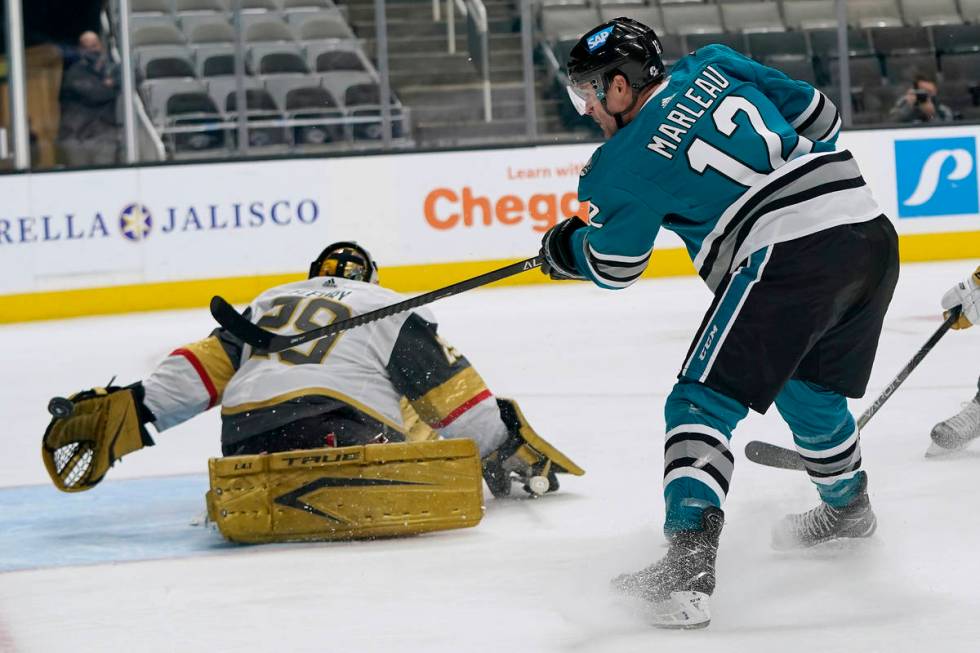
(963, 66)
(208, 6)
(218, 64)
(289, 5)
(873, 13)
(865, 71)
(263, 28)
(149, 6)
(194, 109)
(146, 54)
(692, 19)
(731, 39)
(622, 6)
(319, 26)
(260, 106)
(158, 92)
(673, 47)
(823, 43)
(903, 68)
(168, 67)
(564, 23)
(339, 60)
(931, 12)
(752, 17)
(337, 82)
(800, 68)
(890, 40)
(207, 28)
(303, 98)
(259, 6)
(277, 61)
(649, 16)
(956, 38)
(810, 14)
(364, 100)
(154, 30)
(777, 44)
(556, 3)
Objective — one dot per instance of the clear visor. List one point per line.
(581, 95)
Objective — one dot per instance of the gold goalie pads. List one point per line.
(375, 490)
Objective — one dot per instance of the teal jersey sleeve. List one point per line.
(807, 110)
(613, 251)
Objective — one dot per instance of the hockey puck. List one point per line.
(538, 485)
(59, 407)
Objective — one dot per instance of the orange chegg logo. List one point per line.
(444, 209)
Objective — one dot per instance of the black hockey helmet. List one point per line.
(622, 46)
(345, 259)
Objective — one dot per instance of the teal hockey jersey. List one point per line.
(732, 156)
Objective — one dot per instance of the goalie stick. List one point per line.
(241, 327)
(773, 455)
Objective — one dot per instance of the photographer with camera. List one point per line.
(920, 104)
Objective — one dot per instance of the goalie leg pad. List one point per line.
(103, 426)
(375, 490)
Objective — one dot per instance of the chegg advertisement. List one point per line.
(488, 205)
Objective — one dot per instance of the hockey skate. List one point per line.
(524, 457)
(678, 587)
(955, 433)
(825, 523)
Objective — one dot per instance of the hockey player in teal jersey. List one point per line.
(740, 161)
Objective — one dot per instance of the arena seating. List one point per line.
(309, 82)
(889, 41)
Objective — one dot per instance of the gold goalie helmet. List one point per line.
(345, 259)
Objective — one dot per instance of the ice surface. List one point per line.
(591, 369)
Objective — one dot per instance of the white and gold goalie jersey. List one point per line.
(369, 368)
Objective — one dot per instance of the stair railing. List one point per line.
(477, 41)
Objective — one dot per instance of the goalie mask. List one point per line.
(345, 259)
(622, 46)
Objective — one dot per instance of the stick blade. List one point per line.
(771, 455)
(238, 325)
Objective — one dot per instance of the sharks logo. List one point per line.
(936, 177)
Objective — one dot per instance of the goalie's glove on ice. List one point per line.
(967, 295)
(105, 425)
(556, 249)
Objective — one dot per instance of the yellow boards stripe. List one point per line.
(411, 278)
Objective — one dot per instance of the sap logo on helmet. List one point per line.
(936, 177)
(598, 39)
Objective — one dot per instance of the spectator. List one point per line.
(90, 133)
(921, 104)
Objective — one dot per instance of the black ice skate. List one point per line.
(825, 523)
(678, 586)
(956, 432)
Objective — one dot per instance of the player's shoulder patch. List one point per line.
(587, 168)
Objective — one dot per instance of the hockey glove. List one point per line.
(965, 294)
(556, 249)
(105, 424)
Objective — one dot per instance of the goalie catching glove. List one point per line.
(967, 295)
(105, 424)
(524, 457)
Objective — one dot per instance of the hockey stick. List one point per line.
(241, 327)
(773, 455)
